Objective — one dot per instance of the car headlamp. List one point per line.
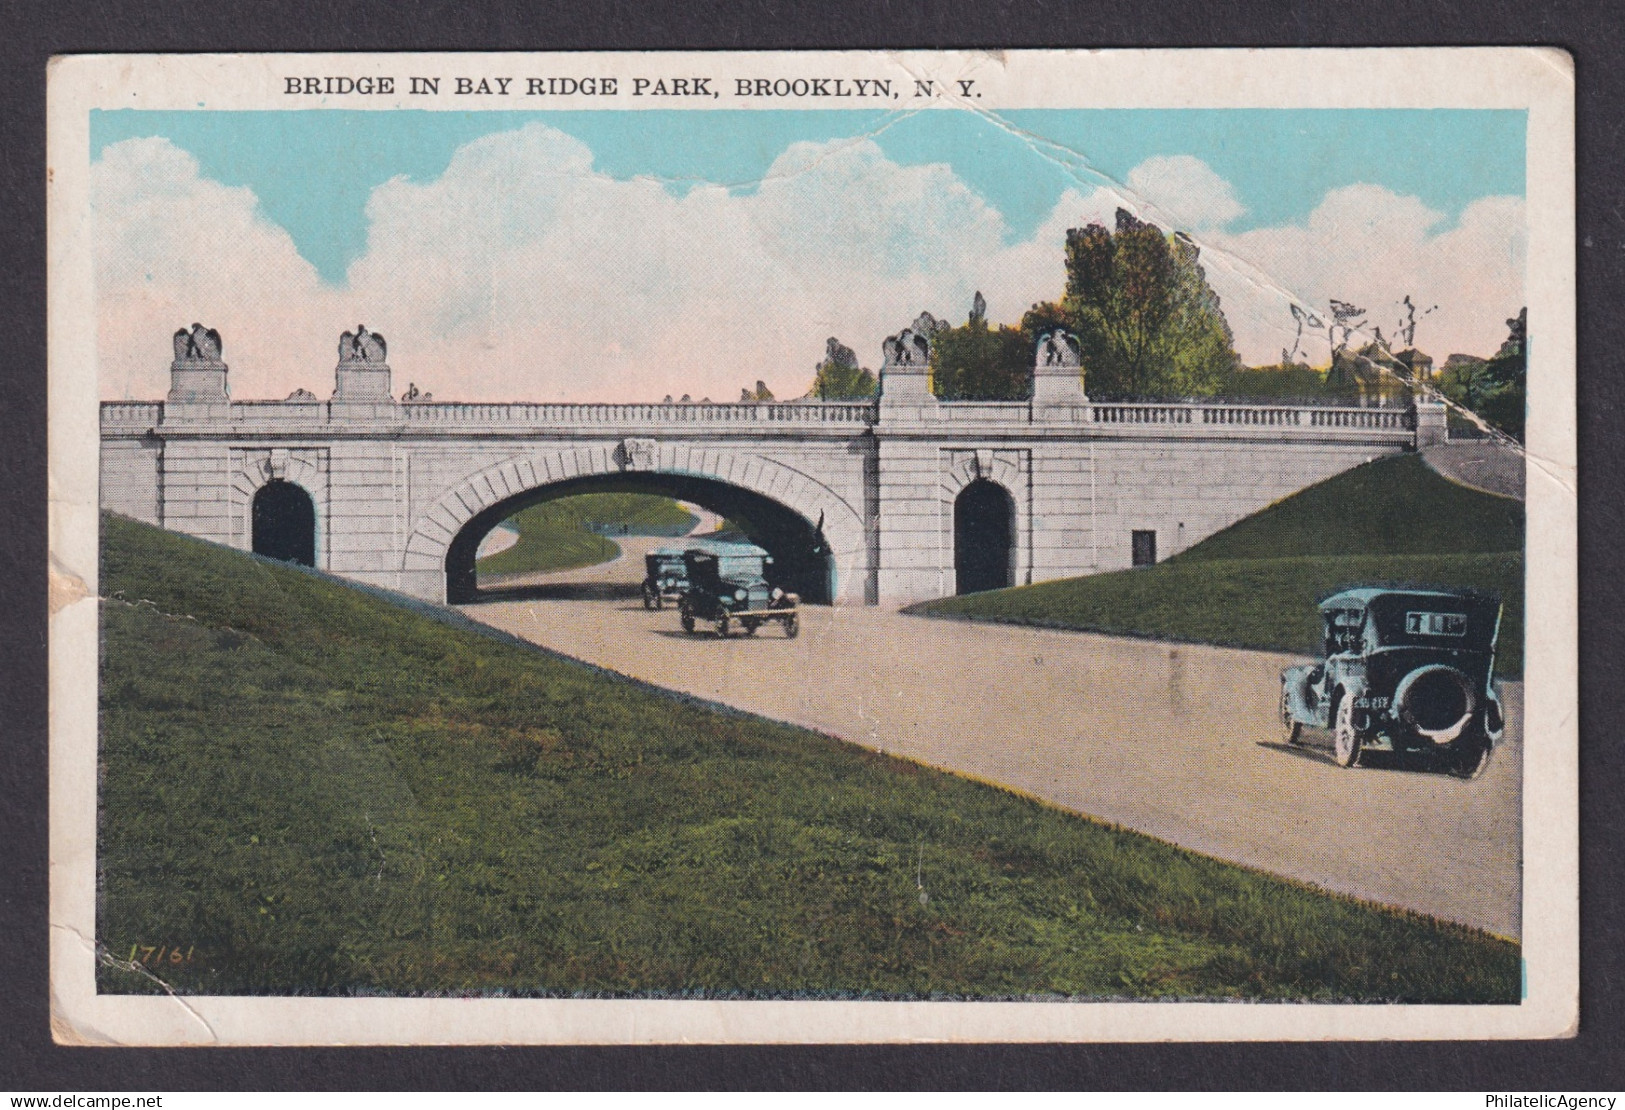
(740, 594)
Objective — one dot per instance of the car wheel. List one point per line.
(1294, 728)
(651, 600)
(1346, 739)
(792, 626)
(660, 603)
(688, 621)
(723, 624)
(750, 627)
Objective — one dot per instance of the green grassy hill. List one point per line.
(309, 788)
(1394, 521)
(558, 535)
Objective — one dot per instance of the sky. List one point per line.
(613, 255)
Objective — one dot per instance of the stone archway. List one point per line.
(1006, 470)
(476, 502)
(304, 468)
(283, 523)
(984, 538)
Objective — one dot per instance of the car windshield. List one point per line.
(740, 566)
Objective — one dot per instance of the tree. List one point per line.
(760, 393)
(1495, 388)
(839, 377)
(1140, 304)
(977, 363)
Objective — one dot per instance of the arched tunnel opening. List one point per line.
(802, 562)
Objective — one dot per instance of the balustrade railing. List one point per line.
(131, 412)
(677, 412)
(1259, 416)
(863, 413)
(1362, 418)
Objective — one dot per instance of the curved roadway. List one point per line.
(1178, 741)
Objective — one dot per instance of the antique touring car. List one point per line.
(1405, 670)
(667, 577)
(727, 583)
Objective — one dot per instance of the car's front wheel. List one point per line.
(1293, 726)
(651, 598)
(723, 624)
(686, 615)
(1346, 739)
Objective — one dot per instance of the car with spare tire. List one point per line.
(1405, 671)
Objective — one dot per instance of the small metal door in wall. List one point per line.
(1145, 547)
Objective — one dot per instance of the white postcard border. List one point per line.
(1539, 80)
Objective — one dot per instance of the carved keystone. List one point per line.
(639, 454)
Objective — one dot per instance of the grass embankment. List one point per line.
(1255, 584)
(309, 789)
(558, 535)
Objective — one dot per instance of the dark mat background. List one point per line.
(29, 1061)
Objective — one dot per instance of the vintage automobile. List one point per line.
(667, 576)
(1405, 671)
(727, 584)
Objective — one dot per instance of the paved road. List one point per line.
(606, 579)
(498, 539)
(1483, 464)
(1178, 741)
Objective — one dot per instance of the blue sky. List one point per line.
(500, 268)
(313, 171)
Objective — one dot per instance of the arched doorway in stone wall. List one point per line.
(284, 523)
(984, 538)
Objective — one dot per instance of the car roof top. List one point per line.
(1361, 596)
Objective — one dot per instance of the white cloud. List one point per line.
(522, 272)
(1372, 247)
(1183, 192)
(173, 248)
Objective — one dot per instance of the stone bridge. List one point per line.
(879, 502)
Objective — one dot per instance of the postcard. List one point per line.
(813, 547)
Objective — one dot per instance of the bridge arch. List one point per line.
(984, 538)
(444, 538)
(1007, 470)
(284, 523)
(255, 470)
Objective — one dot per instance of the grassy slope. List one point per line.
(324, 792)
(554, 536)
(1255, 584)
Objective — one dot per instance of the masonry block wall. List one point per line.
(393, 485)
(1185, 492)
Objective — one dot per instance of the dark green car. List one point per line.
(666, 576)
(1405, 671)
(727, 585)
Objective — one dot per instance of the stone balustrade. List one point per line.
(1117, 418)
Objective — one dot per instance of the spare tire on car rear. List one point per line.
(1437, 702)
